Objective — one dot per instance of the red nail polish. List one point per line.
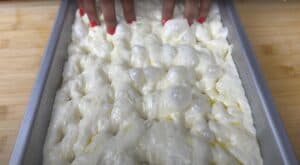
(164, 20)
(111, 30)
(131, 20)
(201, 20)
(93, 23)
(81, 11)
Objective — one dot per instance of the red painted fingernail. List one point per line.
(130, 20)
(201, 19)
(81, 11)
(111, 30)
(93, 23)
(164, 20)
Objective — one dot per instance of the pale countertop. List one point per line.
(273, 27)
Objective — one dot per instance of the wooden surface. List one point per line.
(274, 31)
(272, 27)
(24, 31)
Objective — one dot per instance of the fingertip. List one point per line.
(190, 11)
(190, 22)
(89, 7)
(111, 30)
(93, 23)
(80, 7)
(128, 10)
(168, 9)
(189, 19)
(204, 9)
(81, 11)
(164, 20)
(108, 9)
(201, 19)
(129, 21)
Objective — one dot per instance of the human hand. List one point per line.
(191, 11)
(108, 10)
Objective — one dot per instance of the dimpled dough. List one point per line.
(151, 95)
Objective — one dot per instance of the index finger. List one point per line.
(80, 7)
(168, 9)
(190, 9)
(109, 13)
(90, 8)
(128, 10)
(204, 8)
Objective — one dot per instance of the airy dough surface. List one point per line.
(151, 95)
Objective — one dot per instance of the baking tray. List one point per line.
(272, 138)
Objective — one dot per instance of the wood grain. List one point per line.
(273, 28)
(24, 31)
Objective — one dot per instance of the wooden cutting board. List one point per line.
(273, 29)
(24, 31)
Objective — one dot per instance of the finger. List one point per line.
(204, 8)
(168, 9)
(128, 10)
(190, 9)
(109, 13)
(80, 7)
(90, 9)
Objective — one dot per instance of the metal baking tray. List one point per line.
(272, 138)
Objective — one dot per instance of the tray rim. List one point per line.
(26, 125)
(264, 93)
